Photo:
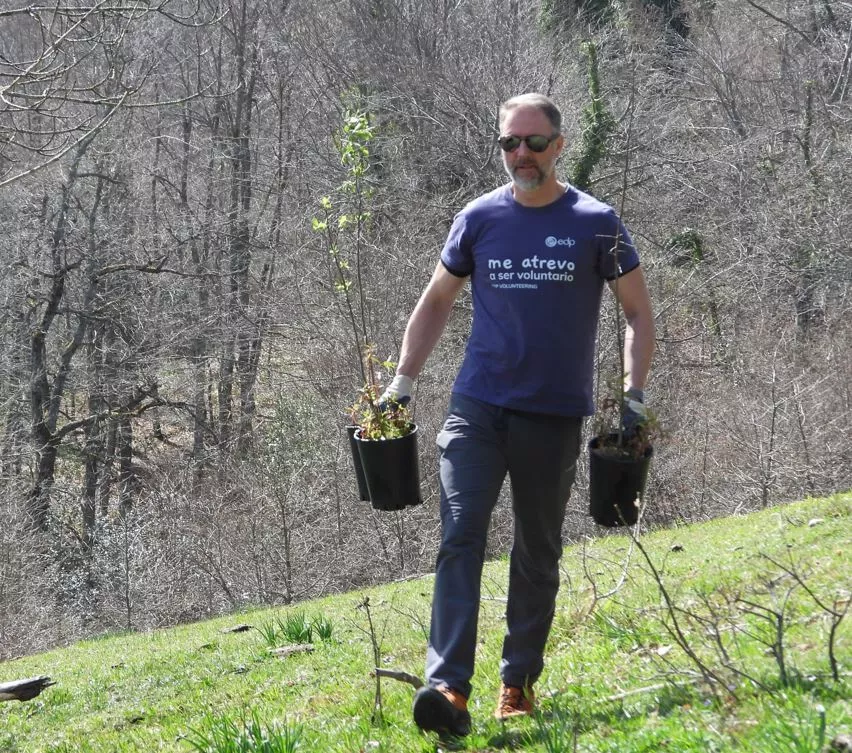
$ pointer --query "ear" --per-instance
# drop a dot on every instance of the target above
(560, 144)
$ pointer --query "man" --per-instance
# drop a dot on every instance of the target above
(537, 253)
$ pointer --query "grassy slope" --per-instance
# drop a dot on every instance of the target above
(145, 692)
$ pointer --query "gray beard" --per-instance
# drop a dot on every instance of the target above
(527, 184)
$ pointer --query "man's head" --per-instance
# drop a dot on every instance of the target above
(538, 101)
(531, 140)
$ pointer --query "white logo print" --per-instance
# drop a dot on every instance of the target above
(550, 241)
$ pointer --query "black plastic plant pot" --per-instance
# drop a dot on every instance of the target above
(363, 490)
(391, 470)
(615, 483)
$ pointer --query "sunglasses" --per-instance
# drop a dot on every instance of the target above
(534, 143)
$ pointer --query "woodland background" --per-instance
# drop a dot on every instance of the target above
(176, 352)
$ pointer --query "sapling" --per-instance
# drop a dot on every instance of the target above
(349, 219)
(378, 421)
(622, 445)
(598, 127)
(377, 656)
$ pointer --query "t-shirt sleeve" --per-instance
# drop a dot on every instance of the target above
(616, 251)
(457, 255)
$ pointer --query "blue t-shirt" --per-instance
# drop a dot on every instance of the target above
(537, 275)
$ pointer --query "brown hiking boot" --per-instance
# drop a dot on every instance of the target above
(442, 710)
(514, 702)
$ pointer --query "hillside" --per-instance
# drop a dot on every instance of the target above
(209, 207)
(617, 677)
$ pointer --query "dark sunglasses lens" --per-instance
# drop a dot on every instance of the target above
(537, 143)
(534, 143)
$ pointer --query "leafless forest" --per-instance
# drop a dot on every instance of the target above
(178, 208)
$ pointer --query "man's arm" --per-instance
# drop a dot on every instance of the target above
(632, 294)
(428, 320)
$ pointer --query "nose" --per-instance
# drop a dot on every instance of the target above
(524, 156)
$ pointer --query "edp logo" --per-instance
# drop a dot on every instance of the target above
(550, 241)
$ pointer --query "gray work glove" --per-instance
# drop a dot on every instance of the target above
(635, 414)
(398, 391)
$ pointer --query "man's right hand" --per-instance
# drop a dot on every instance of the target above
(398, 391)
(634, 414)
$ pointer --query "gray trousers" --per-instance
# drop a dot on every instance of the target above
(479, 445)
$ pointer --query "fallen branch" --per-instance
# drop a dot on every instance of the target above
(237, 629)
(650, 689)
(395, 674)
(286, 651)
(24, 690)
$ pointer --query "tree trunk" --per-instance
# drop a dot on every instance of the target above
(126, 475)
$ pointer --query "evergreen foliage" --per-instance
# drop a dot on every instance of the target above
(597, 124)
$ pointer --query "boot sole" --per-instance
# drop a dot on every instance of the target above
(434, 713)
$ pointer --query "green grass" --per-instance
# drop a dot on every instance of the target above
(295, 628)
(616, 679)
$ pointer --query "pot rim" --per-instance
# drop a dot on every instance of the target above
(617, 454)
(359, 438)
